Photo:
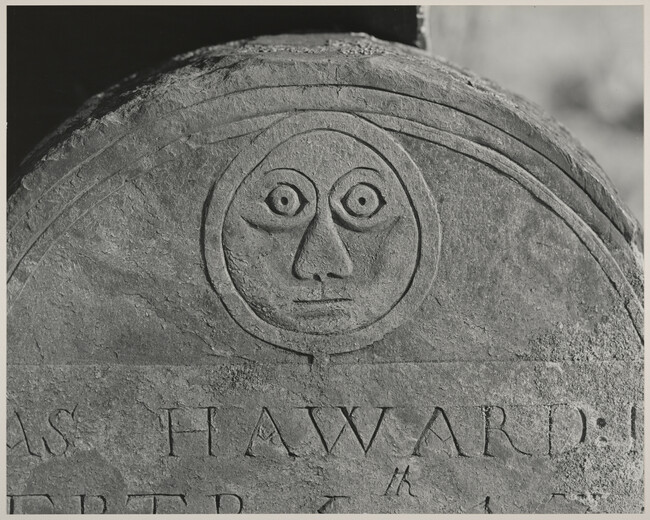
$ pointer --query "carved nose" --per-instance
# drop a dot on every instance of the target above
(321, 253)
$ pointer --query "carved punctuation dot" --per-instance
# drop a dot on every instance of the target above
(363, 200)
(286, 200)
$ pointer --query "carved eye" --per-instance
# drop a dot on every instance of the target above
(286, 200)
(363, 200)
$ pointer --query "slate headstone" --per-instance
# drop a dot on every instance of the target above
(320, 273)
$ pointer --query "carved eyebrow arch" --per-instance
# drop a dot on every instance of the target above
(365, 169)
(286, 169)
(294, 171)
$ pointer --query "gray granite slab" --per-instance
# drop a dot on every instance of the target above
(322, 273)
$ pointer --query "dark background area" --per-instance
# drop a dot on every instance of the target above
(59, 56)
(582, 64)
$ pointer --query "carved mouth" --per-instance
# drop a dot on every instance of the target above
(324, 300)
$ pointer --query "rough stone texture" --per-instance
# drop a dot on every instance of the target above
(320, 274)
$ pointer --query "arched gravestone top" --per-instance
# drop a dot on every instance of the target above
(326, 231)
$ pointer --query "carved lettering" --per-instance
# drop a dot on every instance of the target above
(30, 504)
(490, 414)
(266, 430)
(485, 505)
(349, 418)
(188, 423)
(441, 429)
(57, 421)
(134, 503)
(22, 438)
(328, 506)
(154, 502)
(403, 480)
(54, 444)
(567, 427)
(226, 503)
(92, 504)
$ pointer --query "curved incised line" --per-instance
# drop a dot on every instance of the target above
(114, 141)
(308, 122)
(437, 103)
(55, 239)
(632, 300)
(104, 181)
(339, 87)
(123, 136)
(13, 266)
(509, 168)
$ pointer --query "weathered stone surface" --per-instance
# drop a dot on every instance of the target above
(320, 274)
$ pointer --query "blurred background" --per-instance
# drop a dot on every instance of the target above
(584, 65)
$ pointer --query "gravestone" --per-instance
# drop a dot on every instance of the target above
(304, 274)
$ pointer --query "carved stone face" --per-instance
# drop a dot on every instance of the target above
(321, 236)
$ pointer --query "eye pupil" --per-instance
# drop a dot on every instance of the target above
(363, 200)
(285, 200)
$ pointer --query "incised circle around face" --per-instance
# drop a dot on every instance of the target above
(322, 235)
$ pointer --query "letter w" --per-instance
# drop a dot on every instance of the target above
(349, 418)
